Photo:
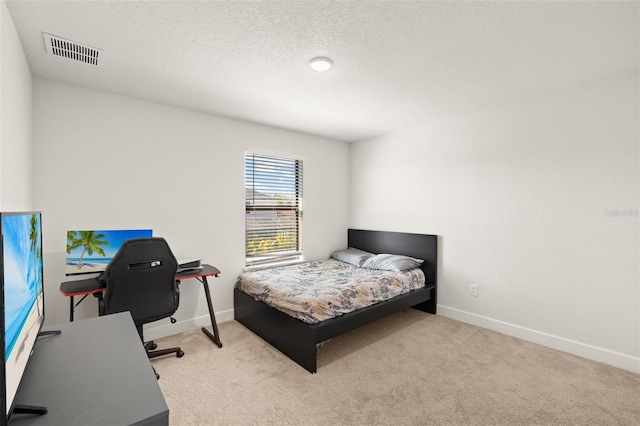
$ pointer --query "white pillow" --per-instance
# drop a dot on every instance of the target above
(352, 256)
(392, 262)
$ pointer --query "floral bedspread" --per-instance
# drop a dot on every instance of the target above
(316, 291)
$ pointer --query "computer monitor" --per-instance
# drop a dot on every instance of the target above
(90, 251)
(22, 298)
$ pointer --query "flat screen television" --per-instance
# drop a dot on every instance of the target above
(22, 299)
(90, 251)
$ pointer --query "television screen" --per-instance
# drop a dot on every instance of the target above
(22, 297)
(90, 251)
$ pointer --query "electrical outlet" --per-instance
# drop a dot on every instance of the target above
(473, 290)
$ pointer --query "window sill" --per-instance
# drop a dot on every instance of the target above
(273, 265)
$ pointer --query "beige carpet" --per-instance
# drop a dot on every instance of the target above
(411, 368)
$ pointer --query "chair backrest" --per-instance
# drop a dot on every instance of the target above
(141, 278)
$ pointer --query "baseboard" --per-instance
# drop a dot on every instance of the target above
(164, 328)
(583, 350)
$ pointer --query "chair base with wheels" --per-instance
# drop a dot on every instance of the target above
(150, 348)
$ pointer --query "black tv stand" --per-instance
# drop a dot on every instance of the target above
(35, 410)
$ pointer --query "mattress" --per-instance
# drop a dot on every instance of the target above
(316, 291)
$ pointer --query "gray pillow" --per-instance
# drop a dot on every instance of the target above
(352, 256)
(392, 262)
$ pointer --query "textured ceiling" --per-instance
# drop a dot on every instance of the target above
(396, 63)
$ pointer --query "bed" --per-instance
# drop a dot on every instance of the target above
(298, 339)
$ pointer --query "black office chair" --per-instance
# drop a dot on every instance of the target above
(141, 279)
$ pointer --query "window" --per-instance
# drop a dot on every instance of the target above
(273, 219)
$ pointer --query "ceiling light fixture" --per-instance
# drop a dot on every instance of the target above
(320, 64)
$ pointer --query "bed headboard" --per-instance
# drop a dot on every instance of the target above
(421, 246)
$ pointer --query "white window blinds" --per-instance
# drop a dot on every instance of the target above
(273, 220)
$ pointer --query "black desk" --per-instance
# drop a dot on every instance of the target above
(90, 286)
(95, 373)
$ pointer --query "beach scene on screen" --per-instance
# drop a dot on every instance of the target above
(22, 273)
(90, 251)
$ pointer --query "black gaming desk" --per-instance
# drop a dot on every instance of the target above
(90, 286)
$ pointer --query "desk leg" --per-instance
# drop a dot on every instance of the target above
(215, 336)
(71, 307)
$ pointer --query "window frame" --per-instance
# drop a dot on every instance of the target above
(285, 187)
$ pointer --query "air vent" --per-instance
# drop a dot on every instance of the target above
(59, 46)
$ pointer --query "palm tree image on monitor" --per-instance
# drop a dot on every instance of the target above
(90, 251)
(90, 242)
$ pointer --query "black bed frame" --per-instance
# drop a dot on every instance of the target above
(298, 340)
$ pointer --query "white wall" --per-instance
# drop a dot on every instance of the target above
(110, 162)
(536, 203)
(15, 120)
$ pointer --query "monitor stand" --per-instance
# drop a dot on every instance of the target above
(35, 409)
(29, 409)
(49, 333)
